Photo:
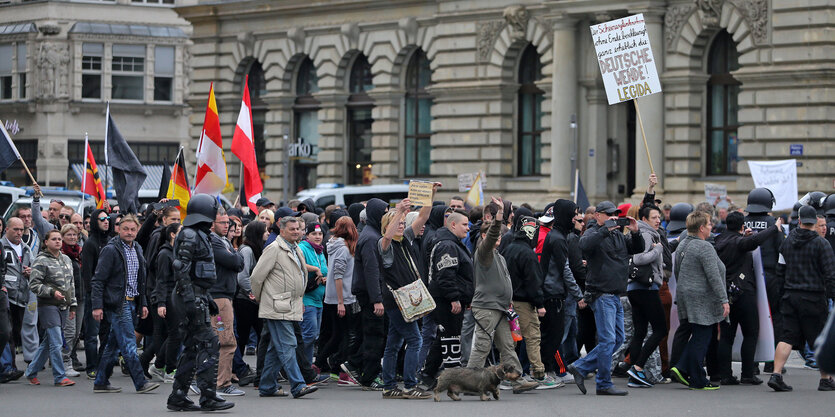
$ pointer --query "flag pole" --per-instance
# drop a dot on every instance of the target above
(576, 184)
(644, 134)
(19, 158)
(106, 134)
(174, 171)
(84, 173)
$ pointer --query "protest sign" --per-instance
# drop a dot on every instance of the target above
(465, 181)
(714, 191)
(421, 193)
(778, 176)
(625, 58)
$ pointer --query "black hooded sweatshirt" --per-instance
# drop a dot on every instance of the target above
(433, 224)
(734, 250)
(555, 251)
(354, 211)
(367, 261)
(92, 247)
(451, 267)
(807, 263)
(522, 264)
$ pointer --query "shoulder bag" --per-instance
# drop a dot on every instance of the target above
(413, 300)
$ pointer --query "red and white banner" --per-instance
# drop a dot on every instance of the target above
(243, 147)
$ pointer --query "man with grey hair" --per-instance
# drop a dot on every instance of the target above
(278, 283)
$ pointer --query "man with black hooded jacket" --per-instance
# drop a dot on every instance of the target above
(451, 285)
(558, 281)
(365, 365)
(607, 250)
(428, 329)
(526, 281)
(99, 236)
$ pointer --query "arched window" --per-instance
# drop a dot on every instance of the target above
(258, 88)
(529, 153)
(359, 122)
(418, 155)
(306, 126)
(722, 107)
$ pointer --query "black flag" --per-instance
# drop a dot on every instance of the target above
(163, 183)
(128, 173)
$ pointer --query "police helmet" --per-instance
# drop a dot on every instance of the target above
(795, 208)
(760, 200)
(202, 208)
(678, 216)
(829, 205)
(816, 200)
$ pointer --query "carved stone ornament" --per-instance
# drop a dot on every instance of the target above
(711, 11)
(487, 33)
(247, 40)
(186, 71)
(352, 32)
(297, 36)
(53, 70)
(673, 21)
(409, 26)
(49, 28)
(517, 17)
(755, 14)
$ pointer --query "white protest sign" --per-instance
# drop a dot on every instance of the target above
(465, 181)
(778, 176)
(714, 191)
(625, 58)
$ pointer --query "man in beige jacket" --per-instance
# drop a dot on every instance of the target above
(278, 282)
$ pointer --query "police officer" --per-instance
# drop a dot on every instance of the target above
(194, 265)
(793, 216)
(829, 210)
(760, 203)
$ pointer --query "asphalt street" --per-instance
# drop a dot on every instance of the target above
(19, 399)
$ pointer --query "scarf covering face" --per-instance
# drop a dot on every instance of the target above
(318, 248)
(73, 251)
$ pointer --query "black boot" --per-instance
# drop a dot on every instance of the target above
(178, 401)
(213, 402)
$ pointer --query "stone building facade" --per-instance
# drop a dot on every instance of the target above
(62, 61)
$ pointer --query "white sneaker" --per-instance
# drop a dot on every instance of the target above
(504, 385)
(72, 373)
(169, 378)
(567, 379)
(157, 373)
(548, 383)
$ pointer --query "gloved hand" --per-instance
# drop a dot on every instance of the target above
(213, 309)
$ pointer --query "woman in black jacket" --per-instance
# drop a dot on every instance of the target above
(167, 336)
(100, 227)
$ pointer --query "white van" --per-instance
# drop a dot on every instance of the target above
(326, 194)
(9, 195)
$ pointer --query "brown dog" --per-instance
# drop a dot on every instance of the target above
(481, 380)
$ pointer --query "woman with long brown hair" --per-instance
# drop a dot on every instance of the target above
(339, 304)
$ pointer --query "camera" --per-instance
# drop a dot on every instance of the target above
(623, 222)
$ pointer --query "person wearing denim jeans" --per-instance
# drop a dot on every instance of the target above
(398, 332)
(121, 339)
(91, 338)
(608, 314)
(281, 355)
(50, 347)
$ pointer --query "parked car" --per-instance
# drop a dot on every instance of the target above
(326, 194)
(9, 195)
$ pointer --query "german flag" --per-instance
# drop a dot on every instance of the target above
(178, 188)
(92, 181)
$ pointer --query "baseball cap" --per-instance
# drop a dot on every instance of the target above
(607, 207)
(263, 201)
(808, 215)
(285, 212)
(548, 216)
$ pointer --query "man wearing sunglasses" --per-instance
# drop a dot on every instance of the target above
(100, 230)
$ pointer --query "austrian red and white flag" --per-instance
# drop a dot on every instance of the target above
(211, 175)
(243, 147)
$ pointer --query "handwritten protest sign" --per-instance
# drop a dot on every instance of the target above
(714, 191)
(625, 59)
(465, 181)
(421, 193)
(778, 176)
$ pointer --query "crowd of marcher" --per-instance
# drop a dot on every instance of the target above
(312, 293)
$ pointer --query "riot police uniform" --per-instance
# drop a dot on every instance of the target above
(195, 268)
(760, 202)
(829, 210)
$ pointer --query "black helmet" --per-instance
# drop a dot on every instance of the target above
(816, 200)
(829, 205)
(796, 207)
(760, 200)
(678, 216)
(202, 208)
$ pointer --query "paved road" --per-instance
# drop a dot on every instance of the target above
(20, 399)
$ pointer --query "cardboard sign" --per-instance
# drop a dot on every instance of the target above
(714, 191)
(465, 181)
(625, 58)
(778, 176)
(421, 193)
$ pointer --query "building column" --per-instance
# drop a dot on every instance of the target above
(563, 103)
(596, 149)
(652, 112)
(386, 130)
(333, 137)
